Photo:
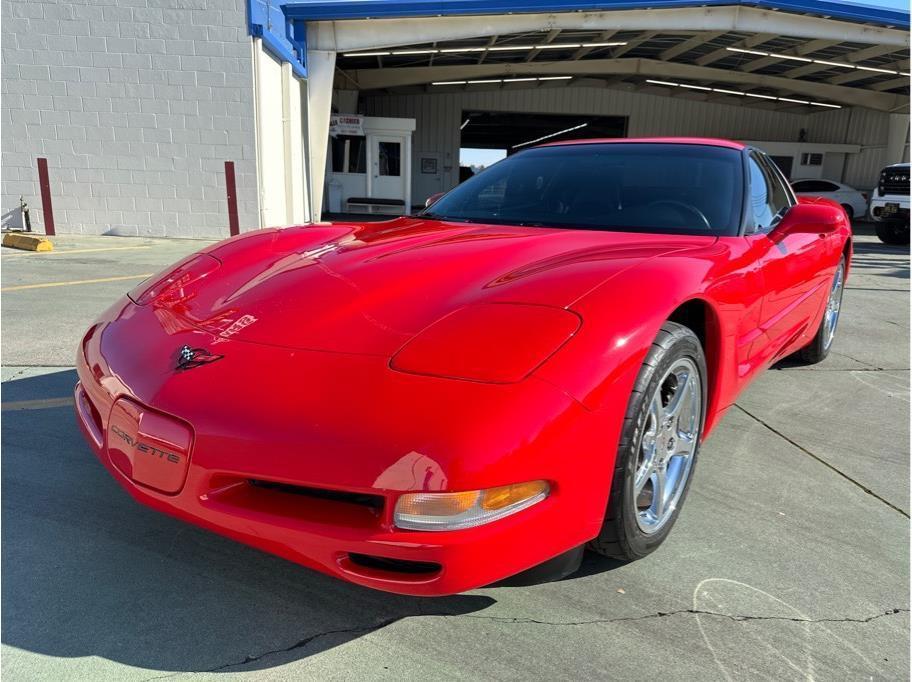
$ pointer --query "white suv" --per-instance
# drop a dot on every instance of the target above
(890, 204)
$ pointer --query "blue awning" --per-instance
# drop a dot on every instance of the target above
(323, 10)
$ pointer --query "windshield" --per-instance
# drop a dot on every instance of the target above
(639, 187)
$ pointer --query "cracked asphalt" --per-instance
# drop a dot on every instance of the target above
(790, 559)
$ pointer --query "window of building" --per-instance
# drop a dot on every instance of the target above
(812, 159)
(349, 154)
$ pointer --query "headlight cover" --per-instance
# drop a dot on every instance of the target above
(499, 343)
(175, 279)
(455, 511)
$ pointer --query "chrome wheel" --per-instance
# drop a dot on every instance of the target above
(834, 302)
(667, 448)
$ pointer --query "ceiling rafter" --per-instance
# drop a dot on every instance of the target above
(891, 84)
(603, 37)
(491, 42)
(861, 74)
(621, 50)
(552, 34)
(689, 44)
(850, 57)
(797, 51)
(746, 44)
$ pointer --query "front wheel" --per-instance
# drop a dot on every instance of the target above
(658, 448)
(819, 348)
(895, 234)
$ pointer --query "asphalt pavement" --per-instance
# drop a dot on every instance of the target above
(790, 560)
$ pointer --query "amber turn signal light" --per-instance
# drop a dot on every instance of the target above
(453, 511)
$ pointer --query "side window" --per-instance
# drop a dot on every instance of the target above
(761, 206)
(813, 186)
(769, 199)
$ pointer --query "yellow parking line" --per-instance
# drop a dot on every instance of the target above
(65, 252)
(43, 404)
(44, 285)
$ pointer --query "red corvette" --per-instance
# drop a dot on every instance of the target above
(437, 402)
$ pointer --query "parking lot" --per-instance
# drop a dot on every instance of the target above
(790, 559)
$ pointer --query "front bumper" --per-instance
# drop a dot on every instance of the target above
(890, 209)
(262, 429)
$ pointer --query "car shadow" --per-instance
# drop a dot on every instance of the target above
(89, 572)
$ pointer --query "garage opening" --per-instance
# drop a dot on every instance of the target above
(512, 132)
(488, 136)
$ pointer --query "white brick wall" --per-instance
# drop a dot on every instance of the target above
(136, 104)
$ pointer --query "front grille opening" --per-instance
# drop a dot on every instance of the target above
(894, 182)
(380, 563)
(372, 502)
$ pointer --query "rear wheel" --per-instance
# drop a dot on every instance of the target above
(658, 448)
(896, 234)
(819, 348)
(850, 212)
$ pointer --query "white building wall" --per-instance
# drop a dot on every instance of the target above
(438, 116)
(136, 107)
(864, 127)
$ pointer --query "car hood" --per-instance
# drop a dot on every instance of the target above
(369, 288)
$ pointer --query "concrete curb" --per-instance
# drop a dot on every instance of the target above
(27, 242)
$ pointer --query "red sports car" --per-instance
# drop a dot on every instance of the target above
(437, 402)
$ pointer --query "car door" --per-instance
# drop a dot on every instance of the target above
(793, 266)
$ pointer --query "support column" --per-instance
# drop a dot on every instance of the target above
(321, 66)
(898, 138)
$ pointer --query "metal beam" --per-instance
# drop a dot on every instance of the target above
(689, 44)
(746, 44)
(892, 83)
(386, 78)
(850, 57)
(484, 54)
(799, 51)
(621, 50)
(861, 74)
(365, 34)
(604, 37)
(552, 34)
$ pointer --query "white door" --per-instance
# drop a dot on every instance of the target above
(388, 167)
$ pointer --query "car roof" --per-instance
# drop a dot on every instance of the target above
(706, 141)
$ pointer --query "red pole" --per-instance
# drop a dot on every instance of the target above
(231, 188)
(46, 205)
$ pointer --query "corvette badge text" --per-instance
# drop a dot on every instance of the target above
(145, 447)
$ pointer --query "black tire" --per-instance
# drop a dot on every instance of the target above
(818, 349)
(850, 212)
(621, 537)
(895, 234)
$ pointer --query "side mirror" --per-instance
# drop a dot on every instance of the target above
(433, 199)
(808, 216)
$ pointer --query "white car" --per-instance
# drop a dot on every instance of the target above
(854, 202)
